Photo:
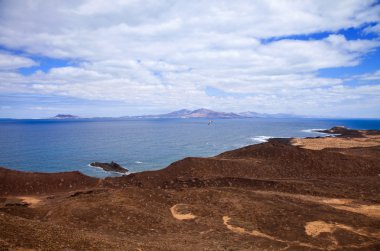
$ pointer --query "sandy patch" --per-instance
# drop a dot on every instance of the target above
(24, 201)
(32, 201)
(238, 230)
(315, 228)
(178, 212)
(355, 207)
(369, 210)
(321, 143)
(336, 201)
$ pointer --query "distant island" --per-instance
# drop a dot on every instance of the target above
(198, 113)
(207, 113)
(186, 113)
(65, 116)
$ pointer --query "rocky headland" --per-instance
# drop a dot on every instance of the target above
(293, 194)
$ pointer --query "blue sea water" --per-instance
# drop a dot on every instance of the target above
(140, 144)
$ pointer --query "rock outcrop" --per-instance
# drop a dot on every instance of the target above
(110, 167)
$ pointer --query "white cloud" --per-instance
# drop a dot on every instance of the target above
(43, 108)
(99, 30)
(369, 76)
(11, 62)
(373, 29)
(165, 53)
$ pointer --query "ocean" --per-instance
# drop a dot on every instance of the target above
(140, 144)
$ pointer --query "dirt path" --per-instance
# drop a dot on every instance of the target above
(256, 233)
(354, 206)
(179, 211)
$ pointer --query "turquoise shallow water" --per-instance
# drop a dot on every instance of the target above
(140, 144)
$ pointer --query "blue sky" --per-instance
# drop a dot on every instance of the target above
(93, 58)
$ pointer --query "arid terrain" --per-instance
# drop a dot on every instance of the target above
(286, 194)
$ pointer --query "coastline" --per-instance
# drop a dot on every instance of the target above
(157, 144)
(273, 195)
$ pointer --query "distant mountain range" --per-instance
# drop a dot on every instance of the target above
(268, 115)
(206, 113)
(198, 113)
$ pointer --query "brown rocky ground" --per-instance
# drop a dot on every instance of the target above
(271, 196)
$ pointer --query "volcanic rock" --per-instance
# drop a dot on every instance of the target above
(110, 167)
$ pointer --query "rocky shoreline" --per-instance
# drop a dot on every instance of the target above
(294, 194)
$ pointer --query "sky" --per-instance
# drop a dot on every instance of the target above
(113, 58)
